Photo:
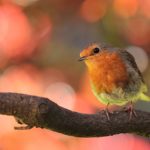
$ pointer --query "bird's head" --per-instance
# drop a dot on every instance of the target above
(93, 54)
(90, 52)
(96, 55)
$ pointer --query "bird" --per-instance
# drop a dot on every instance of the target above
(114, 76)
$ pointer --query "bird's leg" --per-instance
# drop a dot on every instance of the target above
(107, 111)
(131, 110)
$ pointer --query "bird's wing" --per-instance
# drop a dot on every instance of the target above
(130, 59)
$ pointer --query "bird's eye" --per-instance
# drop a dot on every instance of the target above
(96, 50)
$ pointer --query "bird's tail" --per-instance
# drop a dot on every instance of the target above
(144, 97)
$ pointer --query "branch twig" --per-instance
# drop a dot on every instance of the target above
(41, 112)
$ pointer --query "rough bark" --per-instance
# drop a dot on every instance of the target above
(41, 112)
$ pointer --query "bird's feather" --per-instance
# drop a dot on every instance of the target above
(144, 97)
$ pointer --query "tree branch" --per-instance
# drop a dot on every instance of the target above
(41, 112)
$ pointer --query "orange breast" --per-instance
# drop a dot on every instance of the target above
(108, 71)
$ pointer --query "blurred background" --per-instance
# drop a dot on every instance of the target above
(40, 42)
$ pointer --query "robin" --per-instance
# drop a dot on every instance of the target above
(114, 75)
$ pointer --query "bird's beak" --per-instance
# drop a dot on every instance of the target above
(82, 58)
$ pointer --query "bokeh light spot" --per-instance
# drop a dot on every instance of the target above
(140, 56)
(62, 93)
(93, 11)
(15, 31)
(125, 8)
(145, 8)
(137, 31)
(24, 79)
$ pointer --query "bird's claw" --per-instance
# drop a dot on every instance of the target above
(131, 111)
(107, 114)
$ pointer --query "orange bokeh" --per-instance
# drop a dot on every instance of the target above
(42, 29)
(145, 8)
(93, 11)
(83, 105)
(24, 79)
(30, 140)
(126, 8)
(15, 31)
(7, 125)
(44, 26)
(52, 75)
(137, 31)
(117, 142)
